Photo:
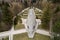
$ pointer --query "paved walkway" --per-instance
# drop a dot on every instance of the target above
(7, 33)
(23, 31)
(43, 32)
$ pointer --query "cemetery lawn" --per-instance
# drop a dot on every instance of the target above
(24, 36)
(19, 26)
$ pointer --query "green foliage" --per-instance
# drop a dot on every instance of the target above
(7, 18)
(57, 9)
(57, 38)
(6, 21)
(56, 1)
(18, 18)
(56, 27)
(45, 18)
(56, 21)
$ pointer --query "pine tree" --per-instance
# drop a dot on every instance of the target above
(7, 18)
(6, 22)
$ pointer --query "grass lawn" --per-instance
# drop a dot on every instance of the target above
(40, 27)
(19, 26)
(36, 37)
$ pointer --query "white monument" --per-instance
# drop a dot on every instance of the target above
(31, 23)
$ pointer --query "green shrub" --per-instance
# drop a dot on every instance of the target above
(56, 37)
(7, 17)
(56, 1)
(7, 21)
(45, 18)
(56, 20)
(56, 27)
(18, 18)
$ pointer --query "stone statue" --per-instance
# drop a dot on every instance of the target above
(31, 23)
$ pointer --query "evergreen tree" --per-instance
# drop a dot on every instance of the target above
(56, 20)
(6, 22)
(45, 17)
(55, 1)
(7, 17)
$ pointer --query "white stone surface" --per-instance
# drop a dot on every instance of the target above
(43, 32)
(31, 23)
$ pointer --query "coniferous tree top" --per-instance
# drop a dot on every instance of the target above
(55, 1)
(6, 17)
